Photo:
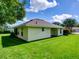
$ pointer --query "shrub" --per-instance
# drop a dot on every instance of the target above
(66, 32)
(12, 35)
(4, 32)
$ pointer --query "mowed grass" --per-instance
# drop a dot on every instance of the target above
(63, 47)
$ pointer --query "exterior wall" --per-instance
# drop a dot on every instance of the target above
(25, 33)
(54, 32)
(37, 33)
(31, 33)
(75, 31)
(60, 32)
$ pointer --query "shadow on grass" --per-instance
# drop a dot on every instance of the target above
(7, 41)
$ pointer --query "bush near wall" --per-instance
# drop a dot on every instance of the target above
(66, 32)
(4, 32)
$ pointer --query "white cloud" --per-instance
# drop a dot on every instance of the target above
(22, 21)
(38, 5)
(25, 19)
(61, 18)
(76, 16)
(19, 22)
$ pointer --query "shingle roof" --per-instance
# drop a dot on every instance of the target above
(39, 23)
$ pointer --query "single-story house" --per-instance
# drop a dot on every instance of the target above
(75, 30)
(36, 29)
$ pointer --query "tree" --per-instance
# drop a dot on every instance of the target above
(10, 11)
(56, 23)
(69, 23)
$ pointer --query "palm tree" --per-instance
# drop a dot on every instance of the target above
(69, 23)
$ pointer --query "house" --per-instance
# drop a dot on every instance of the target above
(36, 29)
(75, 30)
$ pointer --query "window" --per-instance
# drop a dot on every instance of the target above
(21, 31)
(43, 29)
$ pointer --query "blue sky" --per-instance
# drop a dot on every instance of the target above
(55, 10)
(50, 10)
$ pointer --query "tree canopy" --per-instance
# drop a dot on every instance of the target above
(56, 23)
(10, 11)
(69, 23)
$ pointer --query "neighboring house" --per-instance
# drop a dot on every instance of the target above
(75, 30)
(37, 29)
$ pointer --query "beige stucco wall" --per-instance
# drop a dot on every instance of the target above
(59, 32)
(25, 33)
(31, 33)
(54, 31)
(37, 33)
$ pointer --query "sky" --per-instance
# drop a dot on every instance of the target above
(52, 10)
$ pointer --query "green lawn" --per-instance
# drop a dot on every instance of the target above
(63, 47)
